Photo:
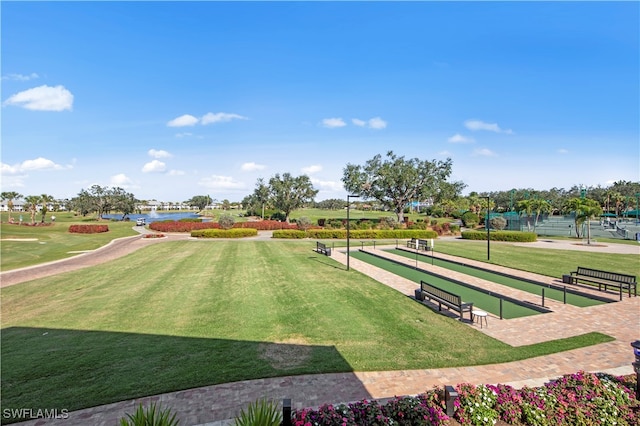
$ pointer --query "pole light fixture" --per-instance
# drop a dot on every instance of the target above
(349, 224)
(487, 225)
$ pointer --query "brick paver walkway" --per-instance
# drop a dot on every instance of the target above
(214, 405)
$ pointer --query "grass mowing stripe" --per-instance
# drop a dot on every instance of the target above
(185, 314)
(529, 287)
(481, 300)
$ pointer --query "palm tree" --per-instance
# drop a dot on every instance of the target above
(585, 209)
(32, 206)
(540, 206)
(45, 199)
(527, 207)
(10, 196)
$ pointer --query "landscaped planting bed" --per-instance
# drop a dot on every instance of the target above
(574, 399)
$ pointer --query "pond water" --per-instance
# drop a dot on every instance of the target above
(155, 216)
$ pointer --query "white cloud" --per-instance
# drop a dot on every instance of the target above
(251, 166)
(458, 138)
(39, 163)
(159, 153)
(484, 152)
(176, 173)
(481, 125)
(563, 151)
(327, 185)
(21, 77)
(120, 180)
(183, 134)
(43, 98)
(333, 123)
(377, 123)
(208, 118)
(183, 120)
(445, 153)
(312, 169)
(220, 182)
(154, 166)
(220, 117)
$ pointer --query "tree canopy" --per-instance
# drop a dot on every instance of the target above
(394, 181)
(288, 193)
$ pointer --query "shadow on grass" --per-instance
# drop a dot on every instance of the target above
(45, 369)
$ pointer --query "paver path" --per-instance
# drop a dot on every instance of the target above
(214, 405)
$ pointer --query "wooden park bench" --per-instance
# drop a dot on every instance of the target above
(322, 248)
(418, 244)
(444, 297)
(605, 279)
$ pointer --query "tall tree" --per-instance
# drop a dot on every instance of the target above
(200, 201)
(584, 210)
(32, 206)
(288, 193)
(44, 201)
(9, 197)
(394, 181)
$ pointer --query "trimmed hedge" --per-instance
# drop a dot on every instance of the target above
(512, 236)
(88, 229)
(290, 234)
(182, 226)
(371, 233)
(221, 233)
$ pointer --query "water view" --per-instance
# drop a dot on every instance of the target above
(155, 216)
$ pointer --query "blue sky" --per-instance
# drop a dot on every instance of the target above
(173, 99)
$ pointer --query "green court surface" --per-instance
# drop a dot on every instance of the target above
(533, 288)
(481, 300)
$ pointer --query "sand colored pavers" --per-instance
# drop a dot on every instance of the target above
(215, 405)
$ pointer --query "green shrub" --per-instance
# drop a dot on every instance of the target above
(226, 221)
(498, 223)
(388, 222)
(152, 416)
(454, 228)
(223, 233)
(304, 223)
(370, 234)
(259, 413)
(511, 236)
(470, 219)
(289, 233)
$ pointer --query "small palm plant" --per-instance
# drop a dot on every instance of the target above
(259, 413)
(152, 416)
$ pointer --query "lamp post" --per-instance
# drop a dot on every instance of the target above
(349, 225)
(487, 225)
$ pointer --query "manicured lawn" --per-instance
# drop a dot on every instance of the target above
(41, 244)
(185, 314)
(550, 262)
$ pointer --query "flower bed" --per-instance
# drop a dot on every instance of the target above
(88, 229)
(180, 226)
(152, 236)
(574, 399)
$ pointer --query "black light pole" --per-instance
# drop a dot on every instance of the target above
(349, 225)
(486, 224)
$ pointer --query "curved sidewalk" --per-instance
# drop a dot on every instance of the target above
(214, 405)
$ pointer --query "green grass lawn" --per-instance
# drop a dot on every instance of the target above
(184, 314)
(550, 262)
(52, 242)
